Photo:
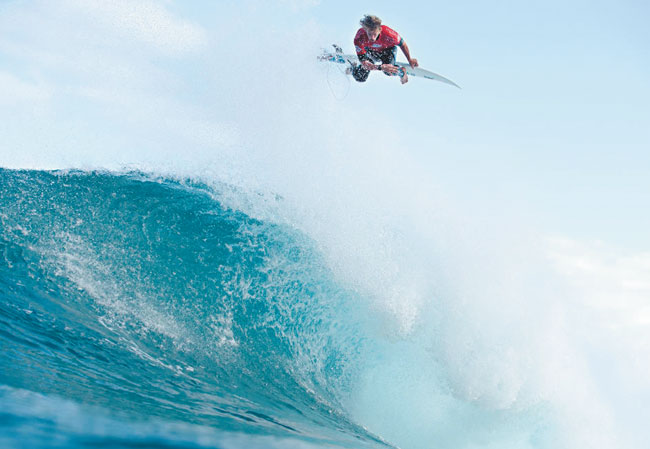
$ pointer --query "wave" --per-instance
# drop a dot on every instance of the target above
(148, 297)
(139, 309)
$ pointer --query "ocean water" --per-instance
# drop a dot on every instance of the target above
(143, 311)
(139, 310)
(126, 299)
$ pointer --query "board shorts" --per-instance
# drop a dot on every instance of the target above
(387, 56)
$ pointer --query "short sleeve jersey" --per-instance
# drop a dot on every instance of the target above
(388, 38)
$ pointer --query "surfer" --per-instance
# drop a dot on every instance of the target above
(377, 43)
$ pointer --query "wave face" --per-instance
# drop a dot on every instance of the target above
(151, 311)
(127, 299)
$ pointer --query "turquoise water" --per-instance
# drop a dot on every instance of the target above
(138, 310)
(141, 312)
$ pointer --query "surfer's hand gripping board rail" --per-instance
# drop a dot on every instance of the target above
(338, 57)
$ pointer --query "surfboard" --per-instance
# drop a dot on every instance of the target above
(340, 58)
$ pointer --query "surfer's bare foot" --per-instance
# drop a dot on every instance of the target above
(404, 78)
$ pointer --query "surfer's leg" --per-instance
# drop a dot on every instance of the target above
(403, 77)
(360, 73)
(389, 56)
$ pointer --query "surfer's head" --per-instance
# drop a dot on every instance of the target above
(372, 25)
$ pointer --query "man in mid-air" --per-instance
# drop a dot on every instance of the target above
(376, 46)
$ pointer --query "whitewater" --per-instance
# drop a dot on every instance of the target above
(194, 255)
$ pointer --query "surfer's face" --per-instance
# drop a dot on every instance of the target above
(373, 33)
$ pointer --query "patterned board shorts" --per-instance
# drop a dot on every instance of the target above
(387, 56)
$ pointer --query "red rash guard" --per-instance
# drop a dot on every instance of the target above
(388, 38)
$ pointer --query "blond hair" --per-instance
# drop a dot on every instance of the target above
(370, 22)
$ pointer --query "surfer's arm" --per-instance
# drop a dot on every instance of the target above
(405, 49)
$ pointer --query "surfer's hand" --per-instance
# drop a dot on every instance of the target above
(413, 62)
(390, 68)
(368, 65)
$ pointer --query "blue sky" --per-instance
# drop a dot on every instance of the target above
(552, 123)
(553, 117)
(553, 120)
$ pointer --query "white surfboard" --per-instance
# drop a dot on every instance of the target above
(352, 60)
